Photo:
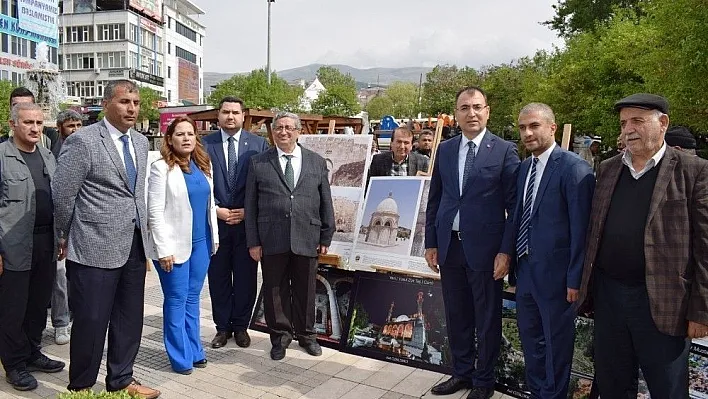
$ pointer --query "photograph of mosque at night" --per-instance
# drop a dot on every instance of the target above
(399, 319)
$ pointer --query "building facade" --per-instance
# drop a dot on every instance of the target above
(104, 40)
(184, 41)
(18, 47)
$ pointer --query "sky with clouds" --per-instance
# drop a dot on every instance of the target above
(373, 33)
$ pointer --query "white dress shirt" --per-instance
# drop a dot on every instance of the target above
(461, 159)
(225, 143)
(540, 167)
(627, 160)
(115, 136)
(296, 161)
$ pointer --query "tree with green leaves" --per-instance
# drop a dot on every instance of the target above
(442, 84)
(6, 87)
(257, 93)
(380, 106)
(148, 104)
(578, 16)
(339, 97)
(400, 100)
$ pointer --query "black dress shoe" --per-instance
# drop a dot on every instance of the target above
(242, 339)
(184, 372)
(312, 348)
(452, 385)
(45, 365)
(21, 380)
(480, 393)
(220, 340)
(200, 364)
(277, 352)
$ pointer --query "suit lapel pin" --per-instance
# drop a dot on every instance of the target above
(489, 146)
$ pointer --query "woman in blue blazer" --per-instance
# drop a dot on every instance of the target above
(183, 236)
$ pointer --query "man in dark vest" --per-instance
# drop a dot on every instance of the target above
(646, 264)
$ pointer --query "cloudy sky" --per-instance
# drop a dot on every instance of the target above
(373, 33)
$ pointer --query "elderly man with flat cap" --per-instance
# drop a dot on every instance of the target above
(646, 265)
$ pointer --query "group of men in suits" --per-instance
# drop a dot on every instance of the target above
(628, 245)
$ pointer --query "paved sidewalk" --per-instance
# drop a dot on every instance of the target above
(237, 373)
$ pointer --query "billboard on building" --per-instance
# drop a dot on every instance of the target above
(39, 16)
(188, 88)
(11, 26)
(152, 8)
(81, 6)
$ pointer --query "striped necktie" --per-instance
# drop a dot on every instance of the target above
(522, 241)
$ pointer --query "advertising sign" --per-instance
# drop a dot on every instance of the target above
(152, 8)
(11, 26)
(188, 86)
(39, 16)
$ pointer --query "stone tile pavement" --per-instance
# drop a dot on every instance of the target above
(238, 373)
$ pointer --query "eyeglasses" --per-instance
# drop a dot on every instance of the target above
(288, 129)
(477, 108)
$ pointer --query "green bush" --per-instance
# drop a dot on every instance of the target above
(88, 394)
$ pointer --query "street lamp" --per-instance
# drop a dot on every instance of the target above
(268, 62)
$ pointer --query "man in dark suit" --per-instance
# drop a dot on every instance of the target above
(99, 208)
(646, 263)
(232, 271)
(400, 161)
(472, 189)
(289, 221)
(554, 189)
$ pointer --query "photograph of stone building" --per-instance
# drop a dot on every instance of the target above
(346, 156)
(418, 247)
(346, 208)
(390, 209)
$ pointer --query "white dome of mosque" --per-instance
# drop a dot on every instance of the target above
(388, 205)
(402, 318)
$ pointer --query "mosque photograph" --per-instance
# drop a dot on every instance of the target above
(399, 319)
(390, 211)
(346, 207)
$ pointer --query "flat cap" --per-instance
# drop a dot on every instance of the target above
(643, 101)
(679, 136)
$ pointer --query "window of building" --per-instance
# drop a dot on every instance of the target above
(169, 72)
(54, 55)
(19, 46)
(134, 60)
(169, 22)
(182, 53)
(134, 33)
(4, 37)
(169, 48)
(13, 8)
(82, 89)
(5, 9)
(79, 61)
(185, 31)
(78, 34)
(108, 32)
(17, 79)
(5, 75)
(113, 59)
(169, 95)
(33, 50)
(200, 62)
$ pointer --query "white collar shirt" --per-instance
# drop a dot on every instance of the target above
(295, 161)
(461, 159)
(225, 143)
(540, 168)
(627, 160)
(116, 137)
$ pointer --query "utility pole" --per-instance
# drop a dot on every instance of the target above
(268, 62)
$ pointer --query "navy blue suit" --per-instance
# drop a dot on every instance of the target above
(471, 295)
(554, 263)
(232, 271)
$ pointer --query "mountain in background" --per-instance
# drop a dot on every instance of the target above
(363, 77)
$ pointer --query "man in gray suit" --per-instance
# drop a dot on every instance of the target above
(289, 221)
(99, 205)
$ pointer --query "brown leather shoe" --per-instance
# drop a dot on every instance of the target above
(141, 391)
(220, 339)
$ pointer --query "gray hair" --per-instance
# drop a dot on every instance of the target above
(285, 114)
(15, 112)
(68, 115)
(540, 108)
(110, 89)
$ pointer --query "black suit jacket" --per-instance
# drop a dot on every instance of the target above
(381, 164)
(281, 220)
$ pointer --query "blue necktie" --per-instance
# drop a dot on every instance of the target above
(233, 162)
(130, 171)
(522, 241)
(469, 163)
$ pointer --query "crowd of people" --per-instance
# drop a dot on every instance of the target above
(623, 239)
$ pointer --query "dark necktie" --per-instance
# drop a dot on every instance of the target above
(522, 241)
(469, 163)
(289, 172)
(233, 162)
(130, 171)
